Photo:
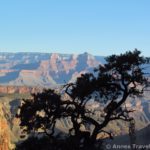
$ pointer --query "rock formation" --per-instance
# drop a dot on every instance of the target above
(5, 142)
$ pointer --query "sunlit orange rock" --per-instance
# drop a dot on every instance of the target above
(5, 143)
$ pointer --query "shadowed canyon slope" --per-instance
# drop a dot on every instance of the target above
(10, 125)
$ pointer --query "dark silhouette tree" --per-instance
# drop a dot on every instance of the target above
(112, 83)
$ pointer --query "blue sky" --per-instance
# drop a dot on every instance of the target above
(100, 27)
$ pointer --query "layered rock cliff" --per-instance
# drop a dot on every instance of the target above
(19, 89)
(44, 70)
(5, 142)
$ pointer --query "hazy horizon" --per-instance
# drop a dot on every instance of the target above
(63, 53)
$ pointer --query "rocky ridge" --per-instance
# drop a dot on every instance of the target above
(44, 70)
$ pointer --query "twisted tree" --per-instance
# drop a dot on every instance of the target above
(112, 83)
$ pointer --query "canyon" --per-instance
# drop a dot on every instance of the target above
(44, 69)
(24, 73)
